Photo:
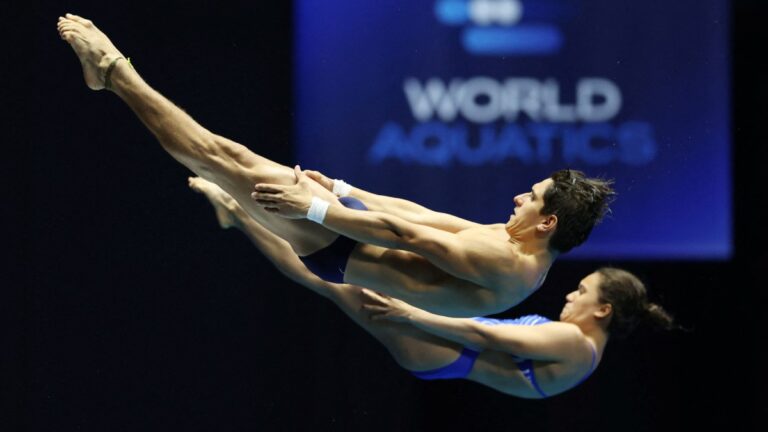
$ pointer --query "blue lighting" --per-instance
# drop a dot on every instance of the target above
(452, 12)
(540, 39)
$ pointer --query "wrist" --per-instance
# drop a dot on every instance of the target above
(413, 315)
(341, 188)
(317, 210)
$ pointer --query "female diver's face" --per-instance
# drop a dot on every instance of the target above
(584, 301)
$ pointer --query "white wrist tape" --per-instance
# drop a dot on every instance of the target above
(317, 210)
(341, 188)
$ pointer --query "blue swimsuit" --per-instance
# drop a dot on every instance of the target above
(463, 365)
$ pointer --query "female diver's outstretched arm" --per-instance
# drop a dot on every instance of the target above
(554, 341)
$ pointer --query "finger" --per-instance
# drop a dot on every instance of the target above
(314, 175)
(258, 196)
(374, 302)
(266, 198)
(367, 294)
(274, 196)
(297, 172)
(373, 295)
(268, 188)
(268, 203)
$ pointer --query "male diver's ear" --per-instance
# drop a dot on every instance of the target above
(548, 224)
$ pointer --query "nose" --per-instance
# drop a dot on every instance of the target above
(519, 200)
(570, 296)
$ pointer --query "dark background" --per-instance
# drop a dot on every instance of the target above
(138, 313)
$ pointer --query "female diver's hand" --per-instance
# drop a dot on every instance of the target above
(383, 307)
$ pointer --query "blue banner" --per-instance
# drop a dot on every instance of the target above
(461, 104)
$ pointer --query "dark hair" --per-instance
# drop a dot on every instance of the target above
(579, 203)
(629, 299)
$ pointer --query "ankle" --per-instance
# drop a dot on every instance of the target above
(115, 65)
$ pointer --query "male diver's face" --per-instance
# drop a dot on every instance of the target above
(528, 207)
(584, 301)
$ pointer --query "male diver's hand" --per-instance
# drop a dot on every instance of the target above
(320, 178)
(288, 201)
(383, 307)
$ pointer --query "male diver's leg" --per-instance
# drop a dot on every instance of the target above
(412, 348)
(215, 158)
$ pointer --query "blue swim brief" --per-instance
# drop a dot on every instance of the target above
(460, 368)
(330, 263)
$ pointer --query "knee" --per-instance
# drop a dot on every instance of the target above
(221, 149)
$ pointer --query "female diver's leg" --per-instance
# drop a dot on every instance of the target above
(412, 348)
(215, 158)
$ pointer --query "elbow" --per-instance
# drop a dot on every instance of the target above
(399, 237)
(204, 143)
(484, 336)
(404, 242)
(414, 241)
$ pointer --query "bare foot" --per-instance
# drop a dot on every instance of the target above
(224, 204)
(93, 48)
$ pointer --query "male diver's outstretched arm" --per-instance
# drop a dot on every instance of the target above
(488, 264)
(408, 210)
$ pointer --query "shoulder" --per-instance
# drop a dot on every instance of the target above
(520, 267)
(567, 336)
(565, 329)
(495, 227)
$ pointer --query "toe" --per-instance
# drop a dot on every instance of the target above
(67, 26)
(81, 20)
(69, 29)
